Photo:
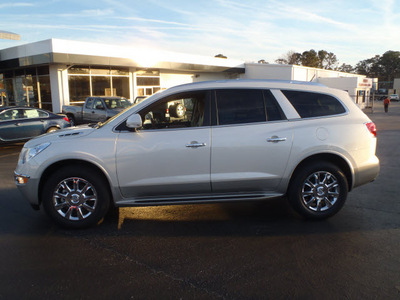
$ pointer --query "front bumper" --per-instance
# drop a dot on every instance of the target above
(28, 187)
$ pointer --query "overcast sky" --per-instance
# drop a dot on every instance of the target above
(248, 30)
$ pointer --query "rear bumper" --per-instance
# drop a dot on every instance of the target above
(367, 172)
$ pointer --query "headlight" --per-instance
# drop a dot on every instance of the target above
(28, 153)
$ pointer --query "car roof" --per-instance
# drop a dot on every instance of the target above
(252, 83)
(3, 108)
(106, 97)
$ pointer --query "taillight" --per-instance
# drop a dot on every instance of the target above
(371, 128)
(66, 119)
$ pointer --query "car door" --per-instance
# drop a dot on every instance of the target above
(251, 143)
(15, 124)
(33, 123)
(9, 120)
(168, 157)
(99, 113)
(87, 110)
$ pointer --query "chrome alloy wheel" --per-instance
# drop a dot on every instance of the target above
(320, 191)
(75, 198)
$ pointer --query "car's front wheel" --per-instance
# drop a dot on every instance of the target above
(318, 190)
(76, 197)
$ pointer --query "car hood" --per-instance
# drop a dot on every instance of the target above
(63, 134)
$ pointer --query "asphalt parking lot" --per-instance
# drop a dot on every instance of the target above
(224, 251)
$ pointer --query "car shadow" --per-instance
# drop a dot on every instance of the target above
(269, 218)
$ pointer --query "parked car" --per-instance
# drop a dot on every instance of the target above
(239, 140)
(95, 109)
(23, 123)
(394, 97)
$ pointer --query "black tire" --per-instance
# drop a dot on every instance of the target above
(72, 120)
(83, 204)
(52, 129)
(318, 190)
(177, 110)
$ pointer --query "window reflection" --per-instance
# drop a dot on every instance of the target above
(85, 81)
(26, 87)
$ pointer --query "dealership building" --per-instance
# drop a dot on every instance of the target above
(52, 73)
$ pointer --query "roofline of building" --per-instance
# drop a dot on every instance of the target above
(56, 51)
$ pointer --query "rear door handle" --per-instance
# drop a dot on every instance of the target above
(276, 139)
(195, 145)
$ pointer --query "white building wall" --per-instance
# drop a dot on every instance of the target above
(396, 85)
(168, 80)
(59, 86)
(267, 71)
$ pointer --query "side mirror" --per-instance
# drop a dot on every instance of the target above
(134, 121)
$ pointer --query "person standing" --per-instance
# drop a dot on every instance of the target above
(386, 103)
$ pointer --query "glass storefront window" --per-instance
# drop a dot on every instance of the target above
(9, 92)
(123, 71)
(121, 86)
(146, 81)
(43, 70)
(100, 84)
(25, 87)
(78, 70)
(79, 88)
(45, 93)
(95, 71)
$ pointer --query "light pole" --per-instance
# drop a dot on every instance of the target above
(9, 35)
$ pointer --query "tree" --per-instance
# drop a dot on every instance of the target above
(290, 58)
(346, 68)
(369, 67)
(389, 65)
(323, 59)
(327, 60)
(220, 56)
(310, 59)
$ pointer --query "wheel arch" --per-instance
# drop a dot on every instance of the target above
(339, 161)
(79, 164)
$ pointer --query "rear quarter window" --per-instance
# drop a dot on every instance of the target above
(310, 105)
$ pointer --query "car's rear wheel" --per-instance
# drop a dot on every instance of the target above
(52, 129)
(318, 190)
(76, 197)
(72, 120)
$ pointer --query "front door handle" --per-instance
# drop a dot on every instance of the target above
(195, 144)
(276, 139)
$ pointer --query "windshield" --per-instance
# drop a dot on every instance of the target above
(113, 103)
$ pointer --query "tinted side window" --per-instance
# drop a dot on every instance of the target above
(181, 110)
(31, 113)
(98, 104)
(89, 103)
(274, 111)
(310, 105)
(240, 106)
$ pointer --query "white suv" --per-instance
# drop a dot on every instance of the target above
(238, 140)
